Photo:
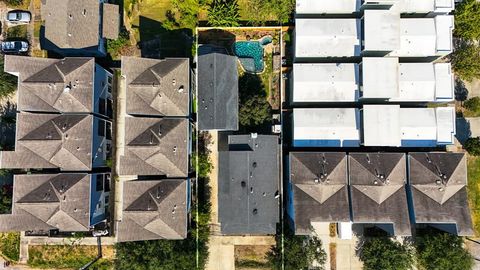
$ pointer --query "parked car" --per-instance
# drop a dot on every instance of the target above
(18, 16)
(15, 46)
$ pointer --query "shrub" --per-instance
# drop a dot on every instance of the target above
(8, 82)
(472, 104)
(10, 245)
(114, 46)
(472, 145)
(386, 254)
(466, 61)
(223, 13)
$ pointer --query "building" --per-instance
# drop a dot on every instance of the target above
(155, 146)
(157, 87)
(317, 189)
(248, 185)
(438, 186)
(69, 142)
(217, 89)
(79, 27)
(374, 125)
(69, 85)
(378, 194)
(154, 209)
(69, 202)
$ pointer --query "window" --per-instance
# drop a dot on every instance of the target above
(101, 106)
(109, 108)
(107, 183)
(109, 131)
(107, 198)
(101, 128)
(99, 184)
(109, 79)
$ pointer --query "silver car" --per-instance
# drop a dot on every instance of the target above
(15, 46)
(18, 17)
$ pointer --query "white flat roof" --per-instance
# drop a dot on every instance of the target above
(446, 128)
(327, 38)
(381, 30)
(381, 125)
(444, 28)
(380, 77)
(325, 82)
(444, 82)
(426, 6)
(418, 124)
(326, 124)
(417, 82)
(327, 6)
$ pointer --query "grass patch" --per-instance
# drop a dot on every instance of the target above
(23, 5)
(10, 245)
(20, 31)
(64, 256)
(37, 25)
(473, 170)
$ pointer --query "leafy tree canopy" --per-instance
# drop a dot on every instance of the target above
(467, 20)
(472, 145)
(442, 251)
(382, 253)
(223, 13)
(466, 61)
(188, 10)
(8, 82)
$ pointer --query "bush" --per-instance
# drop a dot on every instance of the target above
(5, 198)
(383, 253)
(114, 46)
(466, 61)
(10, 245)
(8, 82)
(472, 145)
(467, 20)
(223, 13)
(472, 104)
(265, 10)
(13, 2)
(442, 251)
(188, 10)
(254, 111)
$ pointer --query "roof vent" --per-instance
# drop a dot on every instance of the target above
(243, 184)
(254, 164)
(67, 88)
(180, 89)
(84, 12)
(277, 194)
(255, 211)
(175, 149)
(174, 82)
(70, 16)
(254, 135)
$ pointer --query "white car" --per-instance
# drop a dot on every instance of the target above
(15, 46)
(18, 17)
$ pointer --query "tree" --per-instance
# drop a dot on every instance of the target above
(472, 145)
(5, 199)
(254, 111)
(299, 252)
(439, 250)
(466, 61)
(382, 253)
(188, 10)
(223, 13)
(472, 104)
(467, 20)
(8, 82)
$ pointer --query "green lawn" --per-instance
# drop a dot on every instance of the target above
(67, 256)
(20, 31)
(474, 191)
(10, 245)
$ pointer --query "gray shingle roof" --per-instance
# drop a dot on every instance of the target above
(319, 184)
(154, 209)
(72, 23)
(42, 202)
(217, 89)
(51, 141)
(52, 85)
(157, 87)
(378, 192)
(155, 146)
(110, 21)
(248, 185)
(438, 184)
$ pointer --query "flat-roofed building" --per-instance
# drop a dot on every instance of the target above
(438, 184)
(378, 194)
(317, 190)
(327, 6)
(381, 30)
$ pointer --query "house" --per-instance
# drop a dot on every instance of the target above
(157, 87)
(326, 7)
(374, 125)
(217, 89)
(248, 185)
(69, 85)
(155, 146)
(377, 190)
(317, 189)
(79, 27)
(69, 202)
(69, 142)
(438, 186)
(153, 209)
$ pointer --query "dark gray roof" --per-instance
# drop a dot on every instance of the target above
(157, 87)
(51, 141)
(248, 185)
(439, 193)
(42, 202)
(217, 89)
(110, 21)
(52, 85)
(154, 209)
(319, 185)
(155, 146)
(378, 192)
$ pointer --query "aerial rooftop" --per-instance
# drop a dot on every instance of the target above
(217, 89)
(153, 209)
(378, 194)
(248, 191)
(157, 87)
(439, 194)
(317, 190)
(155, 146)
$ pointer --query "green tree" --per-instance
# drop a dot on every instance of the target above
(254, 111)
(223, 13)
(188, 10)
(467, 20)
(5, 200)
(466, 61)
(115, 46)
(472, 104)
(472, 145)
(382, 253)
(8, 82)
(442, 251)
(204, 164)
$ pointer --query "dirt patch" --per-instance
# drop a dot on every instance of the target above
(333, 256)
(251, 257)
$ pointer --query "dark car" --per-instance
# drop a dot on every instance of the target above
(15, 46)
(18, 16)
